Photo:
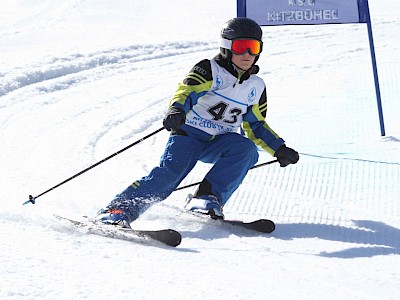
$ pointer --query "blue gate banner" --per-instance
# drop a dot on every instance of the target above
(302, 12)
(314, 12)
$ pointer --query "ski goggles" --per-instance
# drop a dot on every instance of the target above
(240, 46)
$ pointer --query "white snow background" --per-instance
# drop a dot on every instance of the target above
(80, 80)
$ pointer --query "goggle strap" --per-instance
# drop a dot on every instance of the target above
(224, 43)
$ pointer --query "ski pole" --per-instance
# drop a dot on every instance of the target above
(33, 199)
(254, 167)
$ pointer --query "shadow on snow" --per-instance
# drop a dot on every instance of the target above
(376, 238)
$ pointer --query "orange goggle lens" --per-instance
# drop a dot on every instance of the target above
(241, 46)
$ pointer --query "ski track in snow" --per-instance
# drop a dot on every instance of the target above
(71, 70)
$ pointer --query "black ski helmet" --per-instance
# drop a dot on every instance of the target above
(239, 28)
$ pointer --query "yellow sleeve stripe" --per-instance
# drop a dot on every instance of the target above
(263, 107)
(256, 111)
(257, 141)
(196, 77)
(184, 90)
(250, 134)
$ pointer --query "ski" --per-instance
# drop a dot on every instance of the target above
(168, 237)
(260, 225)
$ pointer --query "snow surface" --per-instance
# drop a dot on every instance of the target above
(80, 80)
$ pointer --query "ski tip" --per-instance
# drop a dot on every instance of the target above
(169, 237)
(175, 238)
(265, 225)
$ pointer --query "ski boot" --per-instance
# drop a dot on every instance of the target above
(205, 204)
(112, 217)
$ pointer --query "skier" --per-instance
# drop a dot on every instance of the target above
(217, 97)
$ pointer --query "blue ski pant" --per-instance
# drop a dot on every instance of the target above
(232, 155)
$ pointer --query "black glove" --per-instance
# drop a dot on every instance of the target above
(174, 119)
(286, 156)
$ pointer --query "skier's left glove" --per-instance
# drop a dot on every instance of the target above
(286, 156)
(174, 119)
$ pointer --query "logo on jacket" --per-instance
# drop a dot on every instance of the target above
(252, 94)
(218, 82)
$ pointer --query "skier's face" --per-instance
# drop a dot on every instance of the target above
(243, 61)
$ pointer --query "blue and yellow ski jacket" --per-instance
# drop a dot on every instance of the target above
(217, 100)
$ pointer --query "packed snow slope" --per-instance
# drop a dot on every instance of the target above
(80, 80)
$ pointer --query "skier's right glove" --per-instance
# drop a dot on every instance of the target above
(174, 119)
(286, 156)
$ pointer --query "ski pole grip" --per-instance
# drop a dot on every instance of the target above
(31, 200)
